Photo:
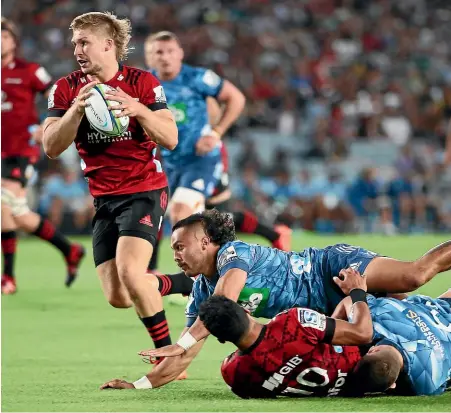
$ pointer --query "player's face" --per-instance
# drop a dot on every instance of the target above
(190, 252)
(8, 43)
(164, 56)
(90, 49)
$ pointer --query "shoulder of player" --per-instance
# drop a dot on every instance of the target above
(133, 74)
(72, 80)
(233, 247)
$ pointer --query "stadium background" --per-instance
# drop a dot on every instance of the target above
(347, 108)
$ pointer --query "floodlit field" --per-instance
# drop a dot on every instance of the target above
(60, 345)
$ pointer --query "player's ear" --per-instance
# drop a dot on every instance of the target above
(205, 242)
(109, 43)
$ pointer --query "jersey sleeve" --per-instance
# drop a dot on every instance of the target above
(59, 100)
(236, 255)
(317, 327)
(208, 83)
(153, 93)
(40, 78)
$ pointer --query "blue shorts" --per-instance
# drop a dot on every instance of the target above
(336, 258)
(201, 177)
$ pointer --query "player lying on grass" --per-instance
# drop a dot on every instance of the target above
(299, 352)
(266, 281)
(413, 346)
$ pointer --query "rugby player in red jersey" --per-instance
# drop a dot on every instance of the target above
(126, 180)
(21, 82)
(299, 352)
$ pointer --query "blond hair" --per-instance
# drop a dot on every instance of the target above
(163, 36)
(10, 27)
(118, 29)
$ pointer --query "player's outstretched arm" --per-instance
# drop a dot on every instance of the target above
(359, 330)
(165, 372)
(59, 133)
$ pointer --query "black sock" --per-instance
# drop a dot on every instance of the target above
(175, 284)
(158, 329)
(249, 224)
(49, 233)
(9, 243)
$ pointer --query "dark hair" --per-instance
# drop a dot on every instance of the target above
(224, 318)
(217, 225)
(374, 373)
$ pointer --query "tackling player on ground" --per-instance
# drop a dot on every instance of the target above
(266, 281)
(127, 182)
(412, 346)
(21, 82)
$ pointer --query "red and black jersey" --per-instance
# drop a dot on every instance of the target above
(123, 164)
(292, 356)
(21, 81)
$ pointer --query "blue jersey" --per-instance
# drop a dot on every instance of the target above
(278, 280)
(420, 328)
(186, 97)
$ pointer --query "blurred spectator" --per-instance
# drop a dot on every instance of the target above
(66, 194)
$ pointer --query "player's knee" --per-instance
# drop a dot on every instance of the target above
(416, 277)
(120, 302)
(17, 204)
(130, 278)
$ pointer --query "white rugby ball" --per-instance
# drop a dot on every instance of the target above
(102, 119)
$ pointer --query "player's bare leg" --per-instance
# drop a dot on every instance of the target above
(34, 224)
(180, 211)
(112, 287)
(9, 245)
(446, 294)
(390, 275)
(132, 257)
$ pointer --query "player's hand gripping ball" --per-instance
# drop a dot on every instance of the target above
(99, 115)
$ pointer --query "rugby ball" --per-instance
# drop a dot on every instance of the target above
(102, 119)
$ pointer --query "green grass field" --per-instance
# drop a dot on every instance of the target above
(60, 345)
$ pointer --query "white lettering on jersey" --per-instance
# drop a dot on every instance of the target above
(160, 97)
(254, 301)
(277, 378)
(43, 75)
(198, 184)
(211, 79)
(312, 319)
(13, 80)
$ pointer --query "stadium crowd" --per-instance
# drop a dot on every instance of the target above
(323, 72)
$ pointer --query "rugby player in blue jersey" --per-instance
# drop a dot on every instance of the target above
(412, 351)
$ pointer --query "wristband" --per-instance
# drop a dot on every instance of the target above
(358, 295)
(187, 341)
(142, 383)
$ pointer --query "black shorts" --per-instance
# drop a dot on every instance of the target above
(17, 168)
(134, 215)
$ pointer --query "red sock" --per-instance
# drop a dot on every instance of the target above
(249, 223)
(158, 329)
(49, 233)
